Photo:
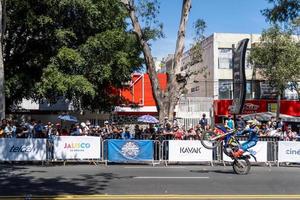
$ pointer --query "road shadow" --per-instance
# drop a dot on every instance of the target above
(224, 171)
(18, 181)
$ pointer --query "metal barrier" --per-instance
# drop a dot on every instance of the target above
(156, 151)
(65, 149)
(288, 152)
(161, 151)
(185, 151)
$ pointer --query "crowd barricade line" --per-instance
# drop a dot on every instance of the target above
(93, 149)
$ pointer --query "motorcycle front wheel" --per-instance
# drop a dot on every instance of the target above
(206, 140)
(241, 166)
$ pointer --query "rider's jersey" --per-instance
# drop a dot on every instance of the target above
(252, 134)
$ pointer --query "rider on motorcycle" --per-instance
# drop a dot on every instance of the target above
(252, 131)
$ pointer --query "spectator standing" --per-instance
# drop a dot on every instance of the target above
(85, 129)
(22, 131)
(38, 130)
(203, 122)
(106, 130)
(1, 132)
(137, 132)
(280, 124)
(290, 135)
(77, 131)
(30, 127)
(178, 133)
(240, 122)
(229, 123)
(116, 133)
(8, 130)
(167, 123)
(125, 134)
(49, 128)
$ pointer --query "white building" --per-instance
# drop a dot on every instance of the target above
(214, 80)
(215, 77)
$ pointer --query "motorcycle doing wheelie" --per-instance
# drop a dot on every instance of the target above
(213, 139)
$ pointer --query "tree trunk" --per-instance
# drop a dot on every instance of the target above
(174, 87)
(156, 89)
(278, 106)
(2, 26)
(165, 101)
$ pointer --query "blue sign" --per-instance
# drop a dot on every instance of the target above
(130, 150)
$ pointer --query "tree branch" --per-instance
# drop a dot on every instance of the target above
(146, 51)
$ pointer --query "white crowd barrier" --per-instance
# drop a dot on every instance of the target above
(12, 149)
(289, 151)
(259, 151)
(76, 147)
(189, 151)
(91, 147)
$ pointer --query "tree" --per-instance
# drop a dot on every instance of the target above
(277, 56)
(79, 50)
(283, 11)
(168, 99)
(2, 30)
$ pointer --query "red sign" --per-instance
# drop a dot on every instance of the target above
(222, 107)
(250, 108)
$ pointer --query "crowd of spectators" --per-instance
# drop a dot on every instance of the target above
(167, 130)
(271, 128)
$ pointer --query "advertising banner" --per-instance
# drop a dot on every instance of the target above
(76, 147)
(239, 77)
(13, 149)
(188, 150)
(288, 151)
(130, 150)
(259, 151)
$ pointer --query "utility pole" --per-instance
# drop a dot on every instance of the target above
(2, 25)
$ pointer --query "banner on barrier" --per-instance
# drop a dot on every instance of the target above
(288, 151)
(130, 150)
(77, 147)
(259, 151)
(188, 150)
(17, 149)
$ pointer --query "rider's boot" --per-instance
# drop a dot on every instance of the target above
(238, 153)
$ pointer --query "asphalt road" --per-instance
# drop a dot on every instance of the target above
(187, 182)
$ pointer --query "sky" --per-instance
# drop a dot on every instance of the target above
(221, 16)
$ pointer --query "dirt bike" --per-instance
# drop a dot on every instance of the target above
(213, 139)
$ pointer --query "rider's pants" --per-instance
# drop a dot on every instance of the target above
(247, 145)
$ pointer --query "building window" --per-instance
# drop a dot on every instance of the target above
(195, 89)
(225, 58)
(225, 89)
(247, 61)
(290, 93)
(267, 91)
(249, 90)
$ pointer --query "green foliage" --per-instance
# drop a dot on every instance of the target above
(148, 11)
(69, 48)
(196, 49)
(282, 10)
(277, 57)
